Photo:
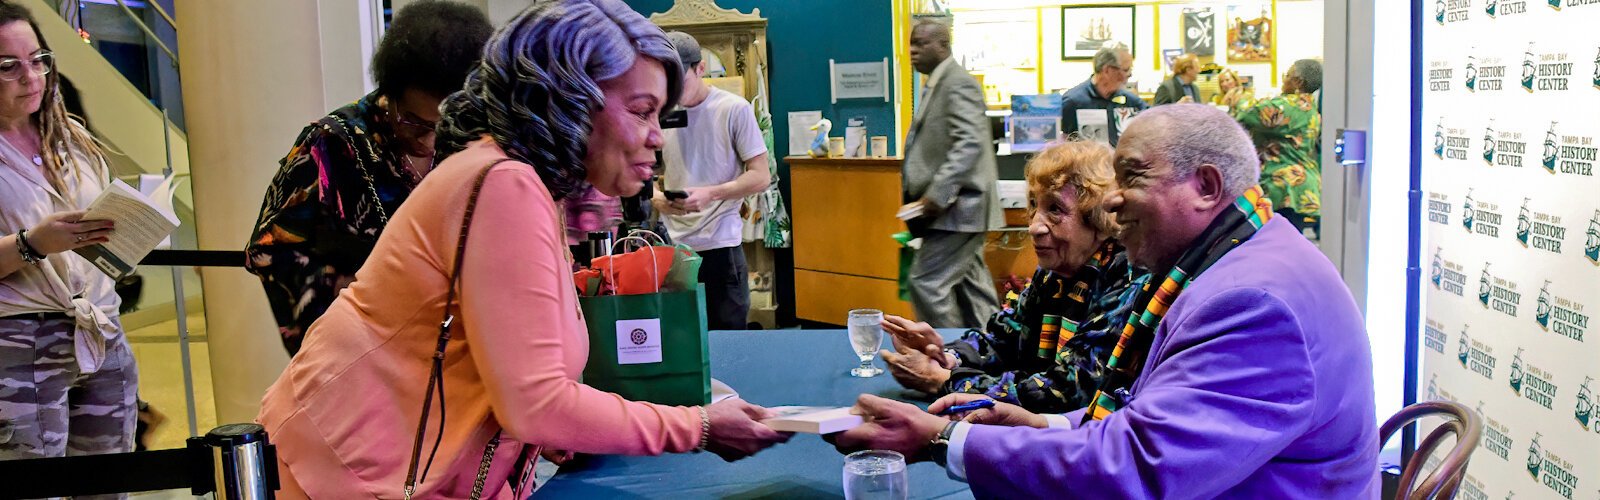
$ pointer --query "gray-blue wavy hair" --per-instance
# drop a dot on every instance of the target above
(539, 79)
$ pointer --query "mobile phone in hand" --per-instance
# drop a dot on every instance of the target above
(674, 195)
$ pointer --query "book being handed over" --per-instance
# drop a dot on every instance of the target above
(140, 227)
(813, 419)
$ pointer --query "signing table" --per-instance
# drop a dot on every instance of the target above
(768, 368)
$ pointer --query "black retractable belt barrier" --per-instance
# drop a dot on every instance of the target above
(206, 258)
(236, 461)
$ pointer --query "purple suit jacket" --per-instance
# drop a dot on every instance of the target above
(1258, 385)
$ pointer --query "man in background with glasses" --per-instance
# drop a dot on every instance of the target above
(348, 171)
(1106, 89)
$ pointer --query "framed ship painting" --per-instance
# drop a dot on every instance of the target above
(1087, 28)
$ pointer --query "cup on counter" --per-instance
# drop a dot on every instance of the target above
(880, 146)
(836, 147)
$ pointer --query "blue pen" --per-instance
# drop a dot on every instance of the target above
(974, 405)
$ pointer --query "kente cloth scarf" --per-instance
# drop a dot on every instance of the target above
(1226, 232)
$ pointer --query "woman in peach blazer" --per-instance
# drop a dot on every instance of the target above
(568, 93)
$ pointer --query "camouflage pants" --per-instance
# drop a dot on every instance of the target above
(48, 408)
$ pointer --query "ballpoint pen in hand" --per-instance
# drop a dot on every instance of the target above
(974, 405)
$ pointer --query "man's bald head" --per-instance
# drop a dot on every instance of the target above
(1190, 135)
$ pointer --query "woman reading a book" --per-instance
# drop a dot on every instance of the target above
(1046, 349)
(569, 93)
(68, 378)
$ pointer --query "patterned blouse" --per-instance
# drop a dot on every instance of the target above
(1005, 360)
(1287, 131)
(319, 221)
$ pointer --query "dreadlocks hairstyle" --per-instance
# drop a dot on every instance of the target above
(61, 133)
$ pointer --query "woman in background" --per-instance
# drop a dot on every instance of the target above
(569, 93)
(69, 379)
(1231, 92)
(350, 170)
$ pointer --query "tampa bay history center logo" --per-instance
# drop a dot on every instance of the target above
(1584, 412)
(1487, 74)
(1438, 139)
(1448, 276)
(1550, 469)
(1476, 356)
(1569, 154)
(1472, 489)
(1591, 240)
(1532, 382)
(1496, 8)
(1498, 294)
(1540, 230)
(1556, 4)
(1551, 71)
(1450, 143)
(1529, 68)
(1496, 435)
(1438, 208)
(1453, 11)
(1561, 315)
(1504, 148)
(1439, 76)
(1433, 336)
(1481, 217)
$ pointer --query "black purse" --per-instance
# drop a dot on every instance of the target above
(436, 375)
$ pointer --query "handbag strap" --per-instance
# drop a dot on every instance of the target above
(436, 374)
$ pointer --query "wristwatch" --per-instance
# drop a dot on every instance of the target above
(939, 448)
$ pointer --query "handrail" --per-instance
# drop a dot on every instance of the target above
(164, 15)
(171, 56)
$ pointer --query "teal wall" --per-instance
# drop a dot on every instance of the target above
(801, 36)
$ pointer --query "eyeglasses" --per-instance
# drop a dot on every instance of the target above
(419, 127)
(12, 69)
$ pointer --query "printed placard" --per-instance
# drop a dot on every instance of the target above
(638, 341)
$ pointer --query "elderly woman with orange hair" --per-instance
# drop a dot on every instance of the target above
(1076, 302)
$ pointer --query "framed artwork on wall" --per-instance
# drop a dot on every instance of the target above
(1249, 34)
(1087, 28)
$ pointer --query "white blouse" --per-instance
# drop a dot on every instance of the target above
(63, 282)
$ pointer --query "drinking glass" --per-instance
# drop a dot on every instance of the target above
(866, 336)
(875, 475)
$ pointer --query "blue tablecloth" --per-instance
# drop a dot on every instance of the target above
(769, 368)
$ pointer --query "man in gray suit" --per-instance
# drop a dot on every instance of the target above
(949, 176)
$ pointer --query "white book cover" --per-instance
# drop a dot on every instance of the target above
(813, 419)
(141, 225)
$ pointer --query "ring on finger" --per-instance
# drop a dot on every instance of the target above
(80, 238)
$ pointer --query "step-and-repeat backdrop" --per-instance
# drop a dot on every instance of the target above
(1512, 237)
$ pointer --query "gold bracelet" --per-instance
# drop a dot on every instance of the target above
(705, 429)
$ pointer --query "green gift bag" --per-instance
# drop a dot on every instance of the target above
(649, 347)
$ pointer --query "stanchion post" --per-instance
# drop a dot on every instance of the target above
(244, 464)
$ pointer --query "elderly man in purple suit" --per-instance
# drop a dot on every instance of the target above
(1244, 372)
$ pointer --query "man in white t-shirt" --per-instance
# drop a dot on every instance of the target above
(716, 160)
